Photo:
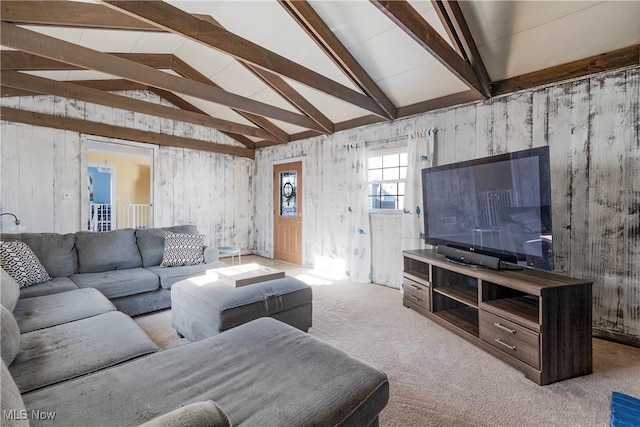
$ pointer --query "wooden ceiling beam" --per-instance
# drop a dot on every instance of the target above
(179, 22)
(321, 34)
(30, 41)
(69, 90)
(10, 91)
(70, 14)
(609, 61)
(456, 25)
(285, 90)
(412, 23)
(110, 131)
(187, 106)
(111, 85)
(186, 70)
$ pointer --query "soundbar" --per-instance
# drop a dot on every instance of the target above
(475, 258)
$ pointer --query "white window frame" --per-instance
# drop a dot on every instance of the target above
(380, 153)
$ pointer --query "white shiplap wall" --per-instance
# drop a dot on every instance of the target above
(591, 126)
(40, 173)
(592, 129)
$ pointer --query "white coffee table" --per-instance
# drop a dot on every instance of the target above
(242, 275)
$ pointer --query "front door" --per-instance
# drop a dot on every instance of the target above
(287, 230)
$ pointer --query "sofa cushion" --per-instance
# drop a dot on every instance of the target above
(151, 242)
(105, 251)
(57, 252)
(119, 283)
(51, 310)
(11, 401)
(9, 290)
(169, 276)
(182, 249)
(51, 355)
(284, 377)
(9, 336)
(53, 286)
(17, 259)
(199, 414)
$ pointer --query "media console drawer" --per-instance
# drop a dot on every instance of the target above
(513, 339)
(417, 293)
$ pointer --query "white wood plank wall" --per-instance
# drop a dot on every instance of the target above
(40, 173)
(591, 126)
(592, 129)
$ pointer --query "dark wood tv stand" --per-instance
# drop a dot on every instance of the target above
(536, 321)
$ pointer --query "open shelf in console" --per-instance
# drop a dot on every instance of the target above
(459, 287)
(511, 304)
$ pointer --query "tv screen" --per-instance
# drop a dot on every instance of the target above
(499, 206)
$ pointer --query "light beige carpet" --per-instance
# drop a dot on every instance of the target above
(439, 379)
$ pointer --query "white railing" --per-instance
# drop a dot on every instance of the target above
(134, 215)
(100, 217)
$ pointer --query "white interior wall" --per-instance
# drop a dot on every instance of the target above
(41, 174)
(591, 126)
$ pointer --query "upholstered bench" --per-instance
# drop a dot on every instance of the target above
(202, 306)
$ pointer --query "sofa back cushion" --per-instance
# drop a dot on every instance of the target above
(105, 251)
(56, 252)
(151, 242)
(10, 338)
(11, 401)
(9, 290)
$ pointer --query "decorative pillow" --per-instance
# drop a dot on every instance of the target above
(182, 249)
(22, 264)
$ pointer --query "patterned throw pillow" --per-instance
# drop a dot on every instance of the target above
(22, 264)
(182, 249)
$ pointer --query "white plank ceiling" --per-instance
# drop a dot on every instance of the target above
(514, 38)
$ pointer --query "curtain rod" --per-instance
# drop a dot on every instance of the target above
(385, 140)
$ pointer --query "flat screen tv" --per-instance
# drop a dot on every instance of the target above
(498, 206)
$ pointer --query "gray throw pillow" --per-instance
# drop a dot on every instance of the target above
(17, 259)
(182, 249)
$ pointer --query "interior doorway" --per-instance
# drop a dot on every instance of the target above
(114, 201)
(287, 197)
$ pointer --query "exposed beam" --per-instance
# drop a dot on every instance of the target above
(23, 61)
(407, 18)
(181, 103)
(69, 90)
(454, 21)
(285, 90)
(437, 103)
(317, 29)
(179, 22)
(22, 39)
(111, 85)
(69, 14)
(110, 131)
(9, 91)
(620, 58)
(186, 70)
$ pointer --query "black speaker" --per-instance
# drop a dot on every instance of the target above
(468, 257)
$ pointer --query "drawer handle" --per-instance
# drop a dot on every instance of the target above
(504, 328)
(414, 298)
(415, 287)
(510, 347)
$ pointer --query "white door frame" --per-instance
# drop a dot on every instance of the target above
(90, 143)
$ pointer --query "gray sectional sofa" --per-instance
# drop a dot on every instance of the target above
(124, 265)
(70, 359)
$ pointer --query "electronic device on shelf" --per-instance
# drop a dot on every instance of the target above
(494, 211)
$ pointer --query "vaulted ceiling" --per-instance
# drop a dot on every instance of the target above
(269, 72)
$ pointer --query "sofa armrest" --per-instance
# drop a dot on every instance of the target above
(211, 254)
(199, 414)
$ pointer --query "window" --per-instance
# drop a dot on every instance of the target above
(387, 172)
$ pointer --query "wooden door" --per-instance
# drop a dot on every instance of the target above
(287, 197)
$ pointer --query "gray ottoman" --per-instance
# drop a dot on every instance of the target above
(201, 309)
